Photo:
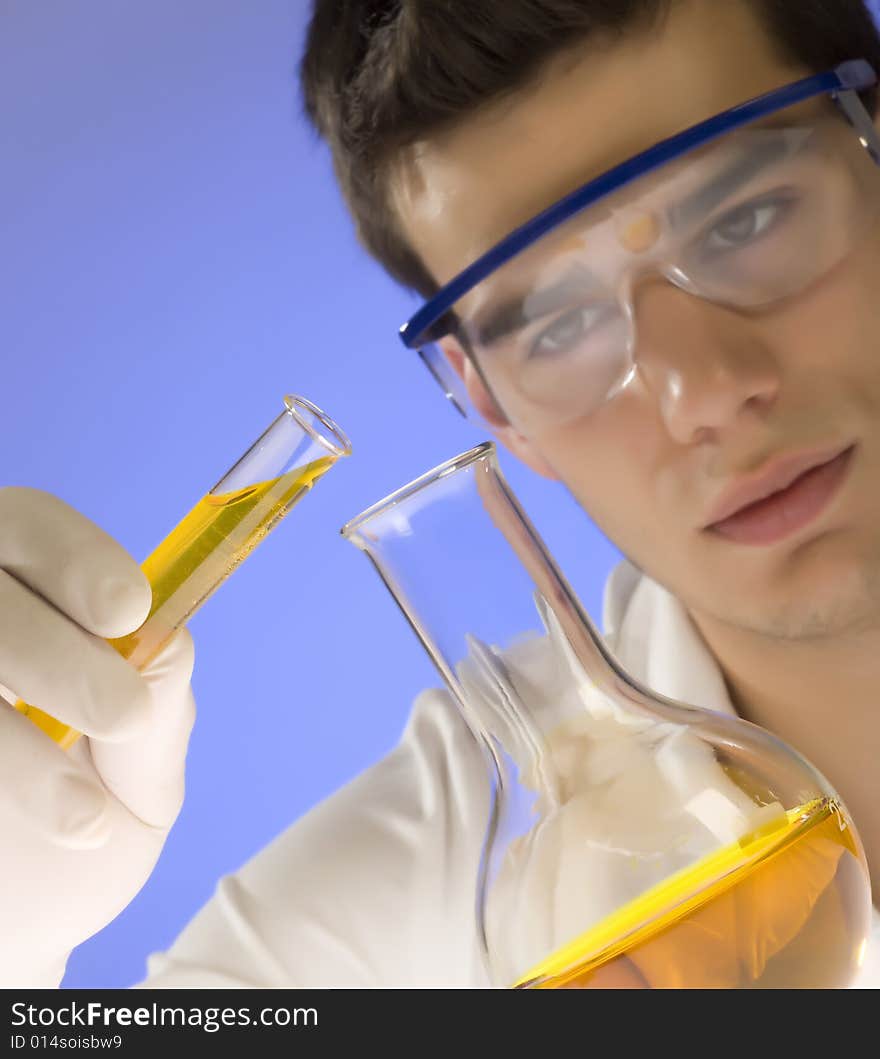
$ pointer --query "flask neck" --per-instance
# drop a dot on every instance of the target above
(526, 666)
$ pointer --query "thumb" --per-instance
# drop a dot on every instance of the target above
(146, 772)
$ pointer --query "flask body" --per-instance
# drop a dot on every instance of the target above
(632, 840)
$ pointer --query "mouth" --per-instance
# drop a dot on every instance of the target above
(781, 499)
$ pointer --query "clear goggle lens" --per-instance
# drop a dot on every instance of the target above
(747, 221)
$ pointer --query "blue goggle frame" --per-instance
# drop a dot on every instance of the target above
(854, 76)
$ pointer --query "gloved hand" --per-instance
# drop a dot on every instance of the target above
(80, 830)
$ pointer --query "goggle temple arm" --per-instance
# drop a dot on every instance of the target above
(440, 368)
(857, 115)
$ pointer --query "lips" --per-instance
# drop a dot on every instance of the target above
(781, 498)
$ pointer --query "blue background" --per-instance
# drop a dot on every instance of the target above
(176, 258)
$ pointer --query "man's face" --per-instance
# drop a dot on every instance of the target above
(721, 398)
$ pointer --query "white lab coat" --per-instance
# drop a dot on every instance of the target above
(374, 887)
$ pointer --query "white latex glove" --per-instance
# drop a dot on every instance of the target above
(80, 830)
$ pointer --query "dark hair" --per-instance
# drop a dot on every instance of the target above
(378, 75)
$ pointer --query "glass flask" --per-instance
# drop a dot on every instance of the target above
(632, 840)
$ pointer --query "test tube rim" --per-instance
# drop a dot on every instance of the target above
(340, 447)
(456, 463)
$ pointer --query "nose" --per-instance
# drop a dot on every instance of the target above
(705, 365)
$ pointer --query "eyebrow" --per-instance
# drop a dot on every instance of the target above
(749, 164)
(511, 314)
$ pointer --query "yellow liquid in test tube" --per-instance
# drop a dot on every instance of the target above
(194, 560)
(738, 919)
(223, 528)
(203, 550)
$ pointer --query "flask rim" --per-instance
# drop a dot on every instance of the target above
(456, 463)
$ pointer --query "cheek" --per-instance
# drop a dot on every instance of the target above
(833, 331)
(612, 463)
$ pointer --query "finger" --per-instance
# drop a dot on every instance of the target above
(777, 901)
(146, 772)
(66, 558)
(729, 941)
(44, 792)
(54, 664)
(619, 973)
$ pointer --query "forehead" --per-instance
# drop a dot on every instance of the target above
(461, 192)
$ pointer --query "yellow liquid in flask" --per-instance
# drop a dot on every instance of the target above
(784, 909)
(194, 559)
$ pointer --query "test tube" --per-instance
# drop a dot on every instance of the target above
(221, 530)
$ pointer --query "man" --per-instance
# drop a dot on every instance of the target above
(682, 334)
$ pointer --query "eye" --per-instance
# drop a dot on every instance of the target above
(744, 225)
(570, 330)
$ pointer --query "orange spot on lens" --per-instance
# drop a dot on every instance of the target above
(639, 232)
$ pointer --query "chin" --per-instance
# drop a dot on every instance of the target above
(819, 596)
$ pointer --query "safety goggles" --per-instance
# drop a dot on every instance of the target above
(746, 209)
